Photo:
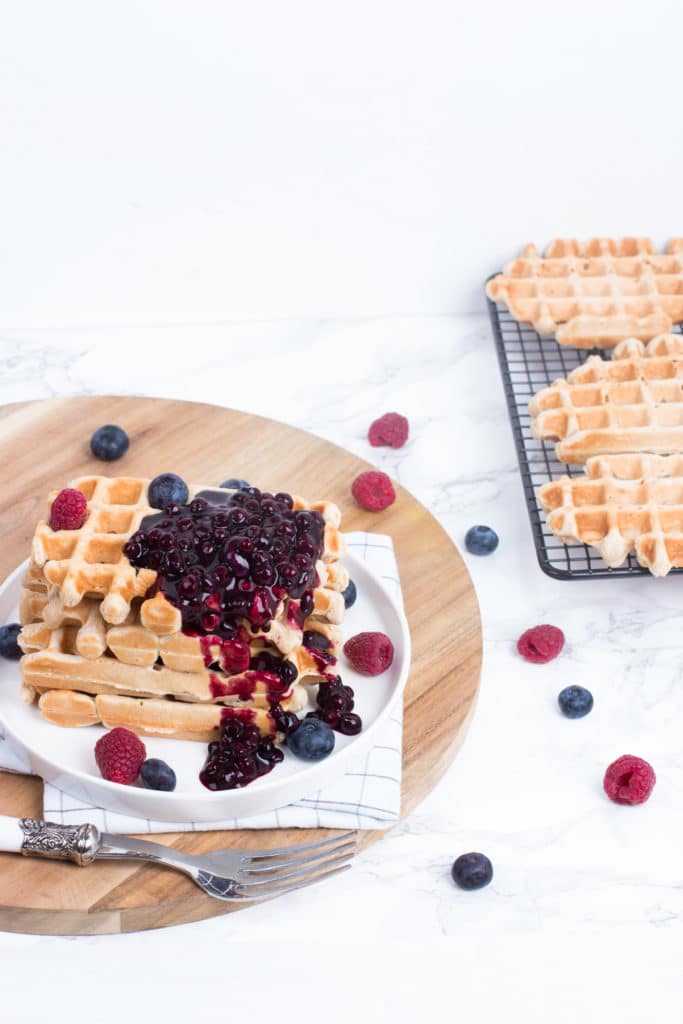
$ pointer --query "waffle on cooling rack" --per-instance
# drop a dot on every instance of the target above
(597, 293)
(623, 503)
(629, 404)
(112, 633)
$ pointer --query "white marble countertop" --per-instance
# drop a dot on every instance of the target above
(577, 878)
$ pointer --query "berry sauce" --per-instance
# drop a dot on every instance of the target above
(231, 656)
(238, 756)
(295, 615)
(219, 564)
(335, 707)
(244, 686)
(244, 715)
(318, 647)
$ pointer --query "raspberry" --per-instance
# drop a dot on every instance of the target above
(119, 755)
(68, 510)
(541, 644)
(629, 780)
(390, 429)
(374, 491)
(369, 653)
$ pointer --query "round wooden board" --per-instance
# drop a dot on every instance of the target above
(45, 444)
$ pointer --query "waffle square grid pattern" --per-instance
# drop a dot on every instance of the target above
(600, 291)
(529, 363)
(91, 560)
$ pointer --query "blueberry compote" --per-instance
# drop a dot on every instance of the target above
(335, 707)
(238, 560)
(239, 756)
(223, 562)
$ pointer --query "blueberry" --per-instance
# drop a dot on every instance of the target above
(472, 871)
(9, 648)
(167, 489)
(350, 594)
(481, 540)
(312, 741)
(156, 774)
(109, 442)
(235, 484)
(575, 701)
(316, 641)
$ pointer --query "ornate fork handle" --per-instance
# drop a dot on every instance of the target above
(236, 875)
(79, 843)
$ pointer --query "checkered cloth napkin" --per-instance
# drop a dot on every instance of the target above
(367, 796)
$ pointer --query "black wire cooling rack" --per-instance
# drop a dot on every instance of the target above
(529, 363)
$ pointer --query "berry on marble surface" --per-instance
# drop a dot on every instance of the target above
(472, 871)
(481, 540)
(575, 701)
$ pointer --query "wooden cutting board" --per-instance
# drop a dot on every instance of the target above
(45, 444)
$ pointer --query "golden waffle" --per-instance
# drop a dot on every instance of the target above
(623, 503)
(148, 717)
(631, 403)
(90, 561)
(83, 667)
(596, 293)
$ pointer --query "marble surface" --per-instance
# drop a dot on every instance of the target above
(576, 877)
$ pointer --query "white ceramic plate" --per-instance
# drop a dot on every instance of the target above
(66, 757)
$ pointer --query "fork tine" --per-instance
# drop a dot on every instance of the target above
(292, 862)
(287, 851)
(280, 890)
(298, 873)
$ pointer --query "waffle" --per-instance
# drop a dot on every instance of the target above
(91, 560)
(97, 649)
(596, 293)
(631, 403)
(147, 717)
(623, 503)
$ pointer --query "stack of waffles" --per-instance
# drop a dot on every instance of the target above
(623, 419)
(102, 644)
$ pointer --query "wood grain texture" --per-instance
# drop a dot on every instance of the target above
(45, 444)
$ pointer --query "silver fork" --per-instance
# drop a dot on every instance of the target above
(233, 875)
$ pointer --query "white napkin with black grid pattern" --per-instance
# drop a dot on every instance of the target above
(367, 796)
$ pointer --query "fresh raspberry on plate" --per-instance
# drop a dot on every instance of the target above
(120, 755)
(369, 653)
(390, 429)
(373, 490)
(629, 780)
(68, 510)
(541, 644)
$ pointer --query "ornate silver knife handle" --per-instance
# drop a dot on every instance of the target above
(78, 843)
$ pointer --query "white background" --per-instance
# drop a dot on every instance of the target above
(168, 161)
